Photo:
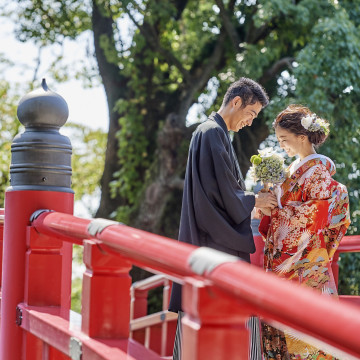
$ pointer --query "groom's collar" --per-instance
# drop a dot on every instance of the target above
(219, 120)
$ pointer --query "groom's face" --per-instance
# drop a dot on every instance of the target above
(242, 116)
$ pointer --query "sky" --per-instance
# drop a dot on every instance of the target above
(86, 106)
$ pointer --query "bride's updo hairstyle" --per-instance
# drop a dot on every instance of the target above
(299, 120)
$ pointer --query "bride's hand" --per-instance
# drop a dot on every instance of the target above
(265, 211)
(256, 214)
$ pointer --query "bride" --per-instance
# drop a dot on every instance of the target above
(302, 237)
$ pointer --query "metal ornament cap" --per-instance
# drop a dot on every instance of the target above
(43, 107)
(40, 155)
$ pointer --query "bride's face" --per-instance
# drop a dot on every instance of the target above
(291, 143)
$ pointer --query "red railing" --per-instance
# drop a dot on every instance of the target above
(2, 217)
(214, 302)
(351, 244)
(217, 303)
(157, 330)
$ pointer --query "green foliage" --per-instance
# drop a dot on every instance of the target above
(54, 25)
(48, 21)
(349, 274)
(168, 41)
(87, 160)
(76, 284)
(330, 87)
(136, 143)
(132, 151)
(155, 298)
(9, 127)
(76, 288)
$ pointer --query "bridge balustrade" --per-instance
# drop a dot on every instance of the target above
(157, 330)
(217, 303)
(220, 292)
(107, 288)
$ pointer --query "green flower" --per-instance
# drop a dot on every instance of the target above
(255, 159)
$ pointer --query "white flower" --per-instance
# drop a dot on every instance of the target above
(306, 121)
(267, 152)
(313, 123)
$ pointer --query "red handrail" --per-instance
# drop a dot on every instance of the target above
(350, 243)
(275, 300)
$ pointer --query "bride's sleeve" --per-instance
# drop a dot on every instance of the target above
(264, 225)
(320, 196)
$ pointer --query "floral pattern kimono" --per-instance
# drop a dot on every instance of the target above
(301, 239)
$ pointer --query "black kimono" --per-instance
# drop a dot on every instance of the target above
(216, 209)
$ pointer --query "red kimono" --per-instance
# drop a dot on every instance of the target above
(301, 239)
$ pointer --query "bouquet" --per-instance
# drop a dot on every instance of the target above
(268, 167)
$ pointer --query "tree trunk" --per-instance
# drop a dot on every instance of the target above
(167, 174)
(115, 88)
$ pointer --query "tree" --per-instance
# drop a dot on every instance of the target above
(87, 160)
(8, 129)
(182, 52)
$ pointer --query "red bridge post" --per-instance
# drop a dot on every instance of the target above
(1, 240)
(105, 294)
(40, 179)
(213, 318)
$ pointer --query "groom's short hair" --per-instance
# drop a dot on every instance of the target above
(248, 90)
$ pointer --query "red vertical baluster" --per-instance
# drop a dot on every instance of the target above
(140, 302)
(214, 327)
(43, 272)
(2, 212)
(43, 269)
(105, 294)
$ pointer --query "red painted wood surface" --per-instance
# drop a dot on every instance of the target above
(249, 287)
(2, 213)
(156, 330)
(217, 304)
(105, 293)
(18, 265)
(347, 244)
(46, 324)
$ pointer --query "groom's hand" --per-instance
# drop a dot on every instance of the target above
(265, 200)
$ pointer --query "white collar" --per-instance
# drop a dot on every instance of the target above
(297, 163)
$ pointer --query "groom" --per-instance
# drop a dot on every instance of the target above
(216, 208)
